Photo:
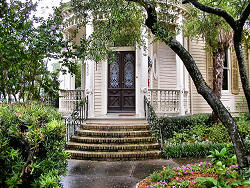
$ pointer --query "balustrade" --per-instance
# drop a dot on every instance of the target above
(69, 99)
(165, 101)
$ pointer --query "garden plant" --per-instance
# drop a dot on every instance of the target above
(219, 172)
(32, 146)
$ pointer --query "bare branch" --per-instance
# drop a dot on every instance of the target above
(244, 16)
(217, 11)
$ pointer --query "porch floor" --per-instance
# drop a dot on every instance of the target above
(130, 116)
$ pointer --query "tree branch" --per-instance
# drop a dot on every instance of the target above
(200, 84)
(217, 11)
(244, 16)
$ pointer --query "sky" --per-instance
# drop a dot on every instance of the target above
(45, 7)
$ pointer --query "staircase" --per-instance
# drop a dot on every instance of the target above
(114, 140)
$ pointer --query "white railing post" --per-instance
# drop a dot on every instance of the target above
(181, 103)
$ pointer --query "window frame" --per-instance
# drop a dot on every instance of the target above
(228, 69)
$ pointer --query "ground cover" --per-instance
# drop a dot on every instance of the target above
(221, 171)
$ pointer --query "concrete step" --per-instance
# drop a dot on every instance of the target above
(135, 155)
(99, 140)
(117, 134)
(110, 127)
(112, 147)
(117, 121)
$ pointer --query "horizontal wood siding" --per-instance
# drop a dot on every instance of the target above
(166, 67)
(199, 105)
(199, 55)
(98, 88)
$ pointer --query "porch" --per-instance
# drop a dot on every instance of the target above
(165, 102)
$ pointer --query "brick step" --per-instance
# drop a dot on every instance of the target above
(117, 134)
(110, 127)
(100, 140)
(117, 121)
(112, 147)
(85, 155)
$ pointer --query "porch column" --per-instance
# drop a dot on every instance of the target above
(141, 74)
(89, 68)
(180, 71)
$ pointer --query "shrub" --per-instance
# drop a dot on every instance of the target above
(196, 149)
(169, 125)
(32, 146)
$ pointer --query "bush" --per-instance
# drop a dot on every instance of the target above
(32, 146)
(196, 149)
(190, 150)
(169, 125)
(195, 136)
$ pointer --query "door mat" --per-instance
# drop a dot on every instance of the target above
(126, 114)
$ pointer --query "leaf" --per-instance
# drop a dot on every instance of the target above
(223, 152)
(219, 163)
(246, 182)
(214, 181)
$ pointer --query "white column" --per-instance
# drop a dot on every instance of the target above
(141, 74)
(180, 70)
(89, 68)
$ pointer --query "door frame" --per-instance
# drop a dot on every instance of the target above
(105, 68)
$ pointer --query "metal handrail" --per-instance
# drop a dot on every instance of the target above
(151, 117)
(74, 121)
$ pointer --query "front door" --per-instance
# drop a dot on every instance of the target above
(121, 83)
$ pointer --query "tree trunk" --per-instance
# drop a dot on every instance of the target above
(213, 101)
(242, 67)
(218, 64)
(200, 84)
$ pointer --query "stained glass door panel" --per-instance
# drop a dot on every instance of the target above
(121, 83)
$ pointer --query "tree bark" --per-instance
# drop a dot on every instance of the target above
(237, 26)
(200, 84)
(242, 66)
(218, 64)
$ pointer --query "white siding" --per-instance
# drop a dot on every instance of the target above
(166, 67)
(98, 84)
(199, 105)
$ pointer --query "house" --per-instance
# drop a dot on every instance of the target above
(156, 73)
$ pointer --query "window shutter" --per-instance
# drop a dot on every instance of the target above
(209, 62)
(235, 72)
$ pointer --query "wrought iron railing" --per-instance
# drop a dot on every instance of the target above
(76, 118)
(69, 99)
(153, 121)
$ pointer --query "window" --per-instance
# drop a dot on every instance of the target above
(226, 72)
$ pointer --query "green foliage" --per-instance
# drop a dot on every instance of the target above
(171, 125)
(26, 45)
(227, 176)
(224, 156)
(196, 136)
(214, 29)
(222, 176)
(116, 23)
(32, 146)
(190, 150)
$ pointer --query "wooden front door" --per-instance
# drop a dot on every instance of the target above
(121, 83)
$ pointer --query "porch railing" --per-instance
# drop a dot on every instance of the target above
(69, 99)
(76, 118)
(165, 101)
